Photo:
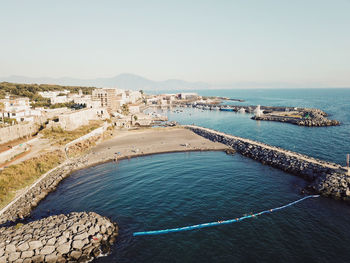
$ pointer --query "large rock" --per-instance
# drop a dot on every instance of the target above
(47, 250)
(44, 242)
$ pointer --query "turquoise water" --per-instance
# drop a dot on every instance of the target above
(180, 189)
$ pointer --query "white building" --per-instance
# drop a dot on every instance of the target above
(133, 96)
(18, 108)
(188, 96)
(134, 109)
(52, 94)
(61, 99)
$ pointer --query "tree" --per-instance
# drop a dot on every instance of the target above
(125, 109)
(2, 107)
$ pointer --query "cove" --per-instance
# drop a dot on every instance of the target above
(171, 190)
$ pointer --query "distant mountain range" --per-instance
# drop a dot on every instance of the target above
(134, 82)
(123, 81)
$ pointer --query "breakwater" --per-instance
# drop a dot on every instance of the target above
(327, 179)
(75, 237)
(308, 117)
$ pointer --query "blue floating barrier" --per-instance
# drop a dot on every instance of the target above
(230, 221)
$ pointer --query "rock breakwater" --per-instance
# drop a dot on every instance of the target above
(328, 179)
(75, 237)
(308, 117)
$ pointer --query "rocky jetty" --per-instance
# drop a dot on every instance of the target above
(76, 237)
(335, 185)
(327, 179)
(308, 117)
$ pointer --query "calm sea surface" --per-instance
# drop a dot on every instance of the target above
(179, 189)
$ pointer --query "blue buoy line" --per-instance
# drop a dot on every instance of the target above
(230, 221)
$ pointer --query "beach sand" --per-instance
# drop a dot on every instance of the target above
(128, 144)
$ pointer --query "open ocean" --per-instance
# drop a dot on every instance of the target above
(180, 189)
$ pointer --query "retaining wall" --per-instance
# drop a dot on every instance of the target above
(17, 131)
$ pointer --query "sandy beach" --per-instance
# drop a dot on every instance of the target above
(127, 144)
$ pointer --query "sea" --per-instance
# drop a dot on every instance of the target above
(180, 189)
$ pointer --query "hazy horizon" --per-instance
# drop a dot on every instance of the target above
(221, 44)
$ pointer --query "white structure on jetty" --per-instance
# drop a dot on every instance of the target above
(241, 110)
(258, 112)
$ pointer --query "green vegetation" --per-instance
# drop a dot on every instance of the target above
(61, 137)
(31, 91)
(125, 109)
(21, 175)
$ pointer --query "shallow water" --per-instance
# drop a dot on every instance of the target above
(180, 189)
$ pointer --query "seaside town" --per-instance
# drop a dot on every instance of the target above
(56, 130)
(174, 131)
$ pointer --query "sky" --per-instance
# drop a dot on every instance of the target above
(299, 41)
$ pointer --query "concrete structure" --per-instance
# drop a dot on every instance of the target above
(17, 131)
(107, 98)
(52, 113)
(73, 120)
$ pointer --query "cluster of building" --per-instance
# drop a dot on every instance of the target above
(112, 100)
(169, 99)
(101, 104)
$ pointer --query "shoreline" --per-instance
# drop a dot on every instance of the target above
(146, 154)
(179, 140)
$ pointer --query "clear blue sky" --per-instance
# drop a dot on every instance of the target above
(299, 41)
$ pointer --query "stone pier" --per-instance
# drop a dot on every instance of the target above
(326, 178)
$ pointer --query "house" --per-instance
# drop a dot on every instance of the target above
(18, 108)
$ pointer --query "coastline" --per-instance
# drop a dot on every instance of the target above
(145, 142)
